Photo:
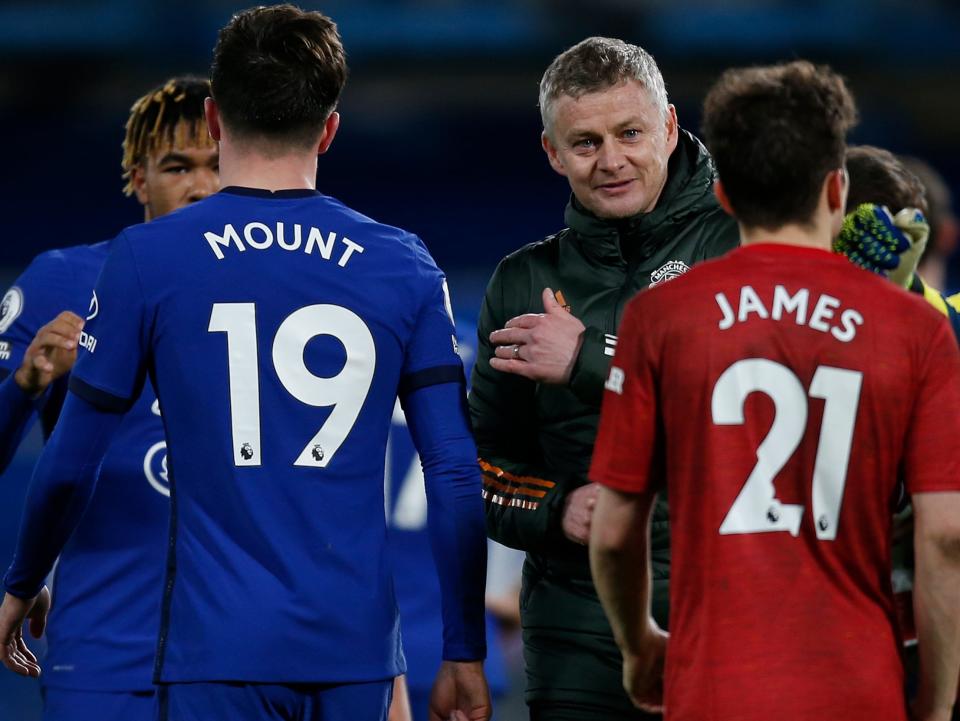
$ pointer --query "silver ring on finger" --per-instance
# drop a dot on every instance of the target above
(516, 351)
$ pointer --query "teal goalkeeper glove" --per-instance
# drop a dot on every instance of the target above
(891, 246)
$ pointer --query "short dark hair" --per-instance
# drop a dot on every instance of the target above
(878, 176)
(170, 114)
(278, 73)
(775, 133)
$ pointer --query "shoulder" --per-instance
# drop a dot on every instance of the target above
(65, 269)
(401, 244)
(538, 254)
(56, 280)
(720, 232)
(366, 222)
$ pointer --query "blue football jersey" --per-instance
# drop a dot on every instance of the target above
(102, 631)
(278, 329)
(415, 574)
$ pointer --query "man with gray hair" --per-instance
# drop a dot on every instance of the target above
(642, 211)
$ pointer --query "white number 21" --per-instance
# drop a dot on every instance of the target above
(346, 391)
(757, 509)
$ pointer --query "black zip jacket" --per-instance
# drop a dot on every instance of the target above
(535, 440)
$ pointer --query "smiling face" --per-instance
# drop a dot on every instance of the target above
(613, 146)
(172, 176)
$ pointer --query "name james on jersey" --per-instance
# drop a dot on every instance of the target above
(783, 304)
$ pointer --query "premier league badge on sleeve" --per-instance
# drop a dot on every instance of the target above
(10, 308)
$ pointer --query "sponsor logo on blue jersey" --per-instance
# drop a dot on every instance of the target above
(94, 307)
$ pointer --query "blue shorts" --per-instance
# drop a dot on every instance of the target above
(64, 704)
(275, 702)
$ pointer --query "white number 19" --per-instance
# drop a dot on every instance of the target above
(346, 391)
(756, 508)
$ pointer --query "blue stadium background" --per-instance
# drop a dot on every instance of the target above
(440, 130)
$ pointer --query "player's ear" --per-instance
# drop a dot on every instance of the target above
(837, 189)
(552, 155)
(722, 198)
(212, 114)
(672, 126)
(330, 128)
(138, 180)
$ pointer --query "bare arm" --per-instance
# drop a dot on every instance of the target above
(400, 704)
(936, 598)
(620, 563)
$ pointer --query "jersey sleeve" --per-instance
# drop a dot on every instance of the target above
(431, 353)
(440, 427)
(63, 483)
(112, 361)
(523, 498)
(34, 300)
(625, 454)
(432, 393)
(932, 452)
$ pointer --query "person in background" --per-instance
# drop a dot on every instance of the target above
(934, 266)
(641, 212)
(886, 229)
(885, 188)
(415, 575)
(778, 394)
(103, 628)
(278, 348)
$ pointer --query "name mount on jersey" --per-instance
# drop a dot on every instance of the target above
(260, 236)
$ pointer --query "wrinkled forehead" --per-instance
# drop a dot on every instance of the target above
(627, 103)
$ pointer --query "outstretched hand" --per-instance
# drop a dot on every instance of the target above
(540, 346)
(14, 653)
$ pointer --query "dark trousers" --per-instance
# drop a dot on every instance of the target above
(570, 711)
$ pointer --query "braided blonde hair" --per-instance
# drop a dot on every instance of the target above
(170, 115)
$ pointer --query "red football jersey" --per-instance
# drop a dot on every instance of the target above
(781, 393)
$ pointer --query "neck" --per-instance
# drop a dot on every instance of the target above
(818, 233)
(787, 235)
(252, 168)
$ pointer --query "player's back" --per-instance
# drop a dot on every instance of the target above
(781, 487)
(277, 328)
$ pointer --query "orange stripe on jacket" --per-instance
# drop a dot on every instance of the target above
(500, 473)
(511, 490)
